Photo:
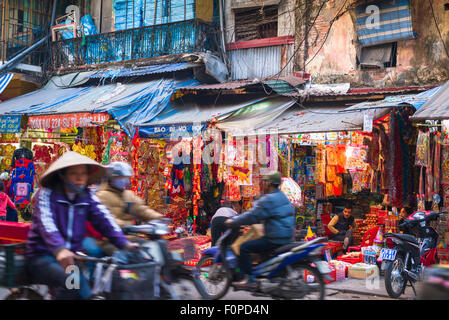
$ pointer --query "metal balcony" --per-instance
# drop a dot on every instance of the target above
(132, 44)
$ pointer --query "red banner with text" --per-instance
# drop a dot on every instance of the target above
(67, 120)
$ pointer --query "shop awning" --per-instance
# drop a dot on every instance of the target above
(245, 120)
(316, 119)
(191, 117)
(130, 104)
(334, 119)
(4, 81)
(436, 107)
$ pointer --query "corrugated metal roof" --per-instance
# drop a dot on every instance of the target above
(436, 108)
(360, 91)
(262, 62)
(281, 85)
(133, 72)
(221, 86)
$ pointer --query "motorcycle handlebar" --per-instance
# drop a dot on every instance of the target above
(82, 257)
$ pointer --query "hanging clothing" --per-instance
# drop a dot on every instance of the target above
(21, 153)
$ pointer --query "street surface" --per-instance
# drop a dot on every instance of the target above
(349, 289)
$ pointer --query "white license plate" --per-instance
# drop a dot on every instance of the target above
(388, 254)
(322, 267)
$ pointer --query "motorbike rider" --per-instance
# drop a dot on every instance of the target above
(278, 216)
(218, 227)
(62, 207)
(123, 204)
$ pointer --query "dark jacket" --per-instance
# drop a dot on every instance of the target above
(60, 223)
(277, 214)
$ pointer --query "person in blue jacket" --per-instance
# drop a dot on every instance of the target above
(277, 214)
(62, 207)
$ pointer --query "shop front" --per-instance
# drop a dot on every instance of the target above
(432, 162)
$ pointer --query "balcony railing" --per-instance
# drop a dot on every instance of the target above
(146, 42)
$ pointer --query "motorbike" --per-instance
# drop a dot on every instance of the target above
(406, 256)
(171, 273)
(293, 271)
(176, 277)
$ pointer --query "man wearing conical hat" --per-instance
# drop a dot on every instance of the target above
(62, 207)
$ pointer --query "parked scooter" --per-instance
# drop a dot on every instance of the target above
(406, 257)
(293, 271)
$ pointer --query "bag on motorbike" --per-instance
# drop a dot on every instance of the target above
(135, 278)
(256, 231)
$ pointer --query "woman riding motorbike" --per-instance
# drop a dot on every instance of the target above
(123, 204)
(63, 206)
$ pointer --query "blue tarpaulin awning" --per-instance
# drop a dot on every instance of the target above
(383, 22)
(131, 104)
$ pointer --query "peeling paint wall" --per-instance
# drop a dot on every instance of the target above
(420, 61)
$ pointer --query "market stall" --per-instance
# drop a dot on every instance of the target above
(432, 159)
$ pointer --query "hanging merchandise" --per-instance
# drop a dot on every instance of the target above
(7, 152)
(437, 164)
(341, 158)
(22, 181)
(320, 164)
(422, 149)
(292, 190)
(85, 150)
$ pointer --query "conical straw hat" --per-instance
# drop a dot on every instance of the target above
(68, 159)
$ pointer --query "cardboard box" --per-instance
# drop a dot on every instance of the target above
(362, 271)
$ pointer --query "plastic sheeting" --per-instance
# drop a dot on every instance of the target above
(190, 117)
(128, 14)
(130, 104)
(245, 120)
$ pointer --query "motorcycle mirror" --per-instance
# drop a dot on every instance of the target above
(436, 198)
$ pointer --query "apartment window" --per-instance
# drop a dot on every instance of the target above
(378, 57)
(256, 23)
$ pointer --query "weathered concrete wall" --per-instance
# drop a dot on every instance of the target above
(419, 61)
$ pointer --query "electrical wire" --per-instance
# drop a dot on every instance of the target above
(438, 28)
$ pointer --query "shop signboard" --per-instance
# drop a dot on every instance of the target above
(174, 130)
(67, 120)
(10, 124)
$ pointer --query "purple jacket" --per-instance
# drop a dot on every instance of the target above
(60, 223)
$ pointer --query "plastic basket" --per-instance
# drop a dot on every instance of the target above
(12, 264)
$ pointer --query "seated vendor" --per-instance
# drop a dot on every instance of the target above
(342, 225)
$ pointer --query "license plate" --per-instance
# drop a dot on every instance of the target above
(322, 267)
(388, 254)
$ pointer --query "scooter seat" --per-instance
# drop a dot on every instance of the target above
(287, 247)
(405, 237)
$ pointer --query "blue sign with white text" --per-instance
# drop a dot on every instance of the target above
(10, 124)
